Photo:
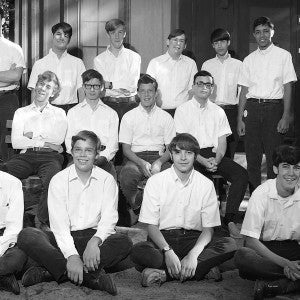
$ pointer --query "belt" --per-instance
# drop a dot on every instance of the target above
(41, 149)
(3, 92)
(180, 231)
(228, 106)
(260, 100)
(120, 99)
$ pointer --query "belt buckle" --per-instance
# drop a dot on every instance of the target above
(260, 100)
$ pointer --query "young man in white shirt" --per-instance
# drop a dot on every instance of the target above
(272, 229)
(68, 68)
(120, 68)
(180, 208)
(12, 259)
(173, 72)
(92, 114)
(83, 202)
(225, 71)
(38, 130)
(145, 133)
(208, 123)
(264, 113)
(12, 65)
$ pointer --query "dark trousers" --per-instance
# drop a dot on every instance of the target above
(121, 105)
(253, 266)
(231, 112)
(41, 246)
(131, 175)
(171, 111)
(261, 136)
(65, 107)
(8, 105)
(232, 172)
(44, 164)
(12, 261)
(147, 255)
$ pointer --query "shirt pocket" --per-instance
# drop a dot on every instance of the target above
(270, 229)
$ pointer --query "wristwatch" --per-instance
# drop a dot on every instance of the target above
(166, 249)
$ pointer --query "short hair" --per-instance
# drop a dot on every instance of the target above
(262, 21)
(66, 28)
(86, 135)
(203, 73)
(2, 13)
(286, 154)
(177, 32)
(219, 34)
(145, 79)
(185, 141)
(113, 24)
(91, 74)
(50, 76)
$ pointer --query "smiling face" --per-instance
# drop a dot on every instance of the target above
(203, 87)
(221, 47)
(60, 40)
(84, 154)
(93, 89)
(147, 95)
(176, 45)
(43, 91)
(116, 37)
(183, 160)
(263, 35)
(287, 178)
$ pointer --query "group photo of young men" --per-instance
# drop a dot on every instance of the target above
(176, 129)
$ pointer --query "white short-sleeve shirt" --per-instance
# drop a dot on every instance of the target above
(265, 72)
(147, 131)
(68, 69)
(170, 204)
(271, 217)
(206, 123)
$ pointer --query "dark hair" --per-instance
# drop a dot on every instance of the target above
(203, 73)
(91, 74)
(145, 79)
(86, 135)
(262, 21)
(286, 154)
(113, 24)
(66, 28)
(1, 13)
(50, 76)
(177, 32)
(219, 34)
(185, 141)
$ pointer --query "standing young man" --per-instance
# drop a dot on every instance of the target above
(208, 123)
(265, 101)
(12, 64)
(38, 130)
(68, 68)
(173, 72)
(83, 202)
(120, 68)
(225, 71)
(180, 208)
(272, 229)
(145, 134)
(92, 114)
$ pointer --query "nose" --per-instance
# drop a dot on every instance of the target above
(183, 155)
(291, 171)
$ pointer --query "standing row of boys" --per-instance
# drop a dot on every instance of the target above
(179, 204)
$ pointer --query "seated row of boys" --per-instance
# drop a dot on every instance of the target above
(180, 208)
(40, 128)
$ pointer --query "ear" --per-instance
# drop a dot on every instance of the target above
(228, 43)
(124, 35)
(272, 32)
(275, 170)
(168, 42)
(171, 156)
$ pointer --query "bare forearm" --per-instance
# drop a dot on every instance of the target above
(11, 76)
(131, 155)
(204, 238)
(156, 236)
(242, 102)
(222, 146)
(287, 99)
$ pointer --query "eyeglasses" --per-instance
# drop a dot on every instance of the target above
(94, 86)
(202, 84)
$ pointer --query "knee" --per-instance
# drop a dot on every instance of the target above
(129, 174)
(137, 252)
(240, 257)
(28, 236)
(122, 242)
(229, 244)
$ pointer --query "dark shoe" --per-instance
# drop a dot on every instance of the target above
(151, 276)
(214, 273)
(264, 289)
(101, 282)
(9, 283)
(36, 275)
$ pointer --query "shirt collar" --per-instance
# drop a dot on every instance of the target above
(36, 108)
(225, 60)
(266, 51)
(197, 104)
(54, 54)
(177, 179)
(120, 52)
(73, 174)
(169, 57)
(84, 103)
(143, 110)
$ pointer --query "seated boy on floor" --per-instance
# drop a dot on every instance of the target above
(180, 207)
(272, 229)
(83, 213)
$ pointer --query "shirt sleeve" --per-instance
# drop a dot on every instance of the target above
(112, 146)
(19, 141)
(70, 130)
(151, 69)
(210, 216)
(126, 132)
(179, 119)
(254, 217)
(19, 58)
(244, 75)
(98, 66)
(14, 216)
(224, 127)
(169, 130)
(193, 72)
(81, 69)
(289, 74)
(58, 216)
(135, 70)
(150, 210)
(33, 76)
(109, 209)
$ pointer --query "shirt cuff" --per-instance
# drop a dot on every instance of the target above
(148, 221)
(70, 251)
(250, 233)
